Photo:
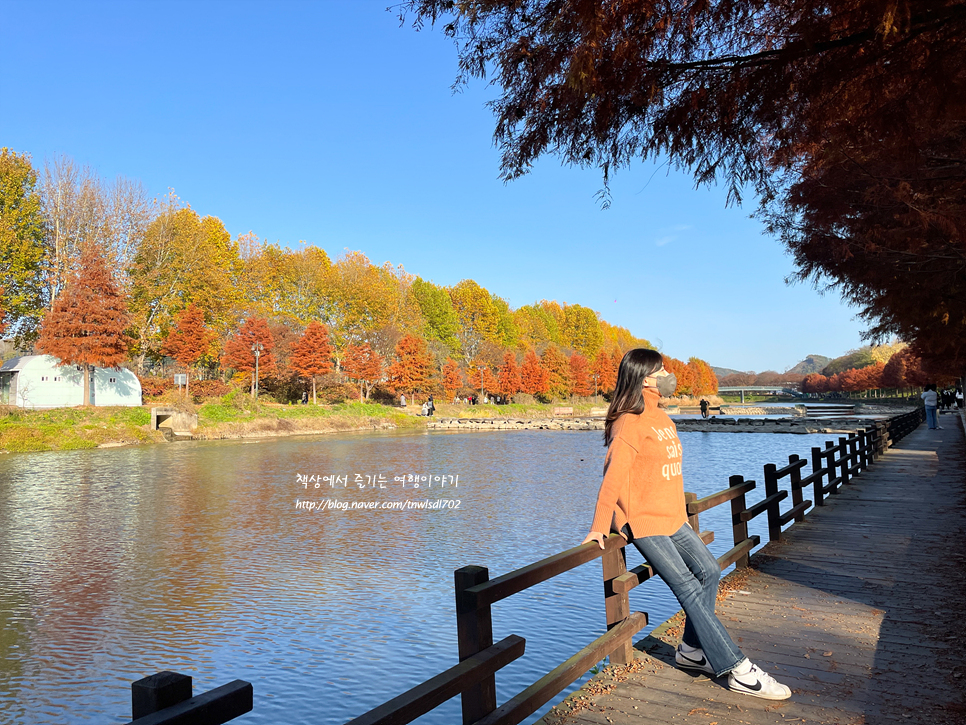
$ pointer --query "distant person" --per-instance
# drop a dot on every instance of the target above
(402, 400)
(959, 398)
(704, 408)
(431, 405)
(931, 400)
(647, 507)
(425, 409)
(305, 397)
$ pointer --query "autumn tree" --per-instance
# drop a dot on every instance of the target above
(312, 354)
(481, 377)
(442, 322)
(413, 367)
(815, 383)
(580, 382)
(87, 323)
(189, 341)
(605, 377)
(558, 372)
(533, 377)
(21, 245)
(452, 380)
(239, 352)
(509, 382)
(363, 365)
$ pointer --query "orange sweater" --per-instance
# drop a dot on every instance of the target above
(642, 483)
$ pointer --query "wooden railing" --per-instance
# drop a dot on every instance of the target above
(474, 678)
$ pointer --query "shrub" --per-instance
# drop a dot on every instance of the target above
(206, 389)
(154, 387)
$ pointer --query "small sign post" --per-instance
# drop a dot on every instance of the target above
(179, 380)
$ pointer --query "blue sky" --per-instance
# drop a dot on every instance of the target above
(328, 122)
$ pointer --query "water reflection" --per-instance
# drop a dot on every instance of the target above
(192, 557)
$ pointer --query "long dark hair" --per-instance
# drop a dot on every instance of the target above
(636, 365)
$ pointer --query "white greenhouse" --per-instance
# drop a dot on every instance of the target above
(41, 381)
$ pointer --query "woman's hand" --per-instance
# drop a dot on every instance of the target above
(594, 536)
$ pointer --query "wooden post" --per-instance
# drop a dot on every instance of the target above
(739, 527)
(818, 481)
(474, 632)
(863, 448)
(844, 450)
(617, 606)
(158, 691)
(774, 513)
(692, 518)
(795, 479)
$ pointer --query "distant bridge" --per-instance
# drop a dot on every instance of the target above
(772, 389)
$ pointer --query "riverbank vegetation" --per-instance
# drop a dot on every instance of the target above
(187, 297)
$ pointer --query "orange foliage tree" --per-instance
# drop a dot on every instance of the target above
(239, 353)
(683, 374)
(413, 366)
(86, 325)
(312, 354)
(533, 378)
(705, 381)
(363, 365)
(814, 383)
(558, 372)
(605, 376)
(580, 382)
(452, 380)
(509, 382)
(481, 377)
(189, 341)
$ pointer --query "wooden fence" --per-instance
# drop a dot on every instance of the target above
(474, 678)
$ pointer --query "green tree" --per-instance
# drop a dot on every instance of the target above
(442, 322)
(582, 330)
(21, 245)
(479, 317)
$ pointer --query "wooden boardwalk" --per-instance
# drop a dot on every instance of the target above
(860, 610)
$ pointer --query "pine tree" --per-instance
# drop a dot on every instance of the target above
(240, 355)
(189, 341)
(362, 364)
(86, 325)
(509, 382)
(312, 354)
(533, 378)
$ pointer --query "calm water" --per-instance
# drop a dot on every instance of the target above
(115, 564)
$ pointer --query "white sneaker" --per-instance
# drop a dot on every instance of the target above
(693, 659)
(752, 680)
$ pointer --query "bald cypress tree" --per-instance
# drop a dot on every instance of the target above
(86, 325)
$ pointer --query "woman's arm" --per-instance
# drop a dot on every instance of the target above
(617, 470)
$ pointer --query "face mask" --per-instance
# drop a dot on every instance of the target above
(667, 384)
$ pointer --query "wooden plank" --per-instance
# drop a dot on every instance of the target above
(738, 551)
(539, 693)
(525, 577)
(795, 512)
(430, 694)
(762, 506)
(708, 502)
(214, 707)
(792, 466)
(616, 604)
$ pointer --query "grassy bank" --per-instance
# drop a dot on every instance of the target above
(67, 429)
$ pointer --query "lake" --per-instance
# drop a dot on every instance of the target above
(203, 558)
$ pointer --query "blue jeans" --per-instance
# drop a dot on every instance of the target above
(691, 571)
(932, 420)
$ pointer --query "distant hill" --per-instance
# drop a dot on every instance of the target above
(811, 364)
(722, 372)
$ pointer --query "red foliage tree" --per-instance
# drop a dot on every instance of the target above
(312, 354)
(482, 378)
(604, 374)
(558, 371)
(86, 325)
(533, 378)
(452, 380)
(814, 383)
(363, 365)
(239, 353)
(683, 373)
(705, 382)
(413, 366)
(871, 376)
(189, 341)
(894, 372)
(509, 382)
(580, 382)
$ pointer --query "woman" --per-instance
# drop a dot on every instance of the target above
(642, 497)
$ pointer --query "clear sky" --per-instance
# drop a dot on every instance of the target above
(328, 122)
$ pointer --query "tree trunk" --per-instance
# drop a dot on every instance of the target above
(87, 384)
(314, 401)
(187, 382)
